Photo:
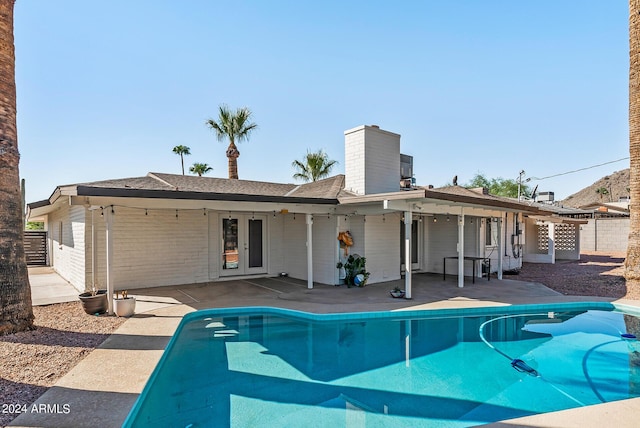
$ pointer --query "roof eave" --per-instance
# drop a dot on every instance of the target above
(493, 203)
(204, 196)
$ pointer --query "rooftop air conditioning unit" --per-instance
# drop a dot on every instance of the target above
(406, 166)
(406, 184)
(545, 197)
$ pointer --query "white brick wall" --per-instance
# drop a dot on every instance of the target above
(295, 248)
(382, 242)
(215, 243)
(67, 250)
(159, 248)
(443, 237)
(325, 241)
(372, 160)
(276, 248)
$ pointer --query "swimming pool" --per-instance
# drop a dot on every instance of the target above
(262, 367)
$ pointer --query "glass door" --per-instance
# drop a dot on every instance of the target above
(243, 244)
(415, 247)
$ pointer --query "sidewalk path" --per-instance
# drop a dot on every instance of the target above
(47, 287)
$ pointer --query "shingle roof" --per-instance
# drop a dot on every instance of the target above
(172, 186)
(190, 183)
(327, 188)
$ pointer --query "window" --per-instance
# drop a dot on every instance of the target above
(490, 233)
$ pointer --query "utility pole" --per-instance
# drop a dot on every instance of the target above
(520, 183)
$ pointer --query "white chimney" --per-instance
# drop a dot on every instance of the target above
(372, 160)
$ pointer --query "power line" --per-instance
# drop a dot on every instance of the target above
(578, 170)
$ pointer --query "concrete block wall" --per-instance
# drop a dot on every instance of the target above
(372, 160)
(604, 234)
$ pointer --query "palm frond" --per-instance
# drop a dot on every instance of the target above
(314, 166)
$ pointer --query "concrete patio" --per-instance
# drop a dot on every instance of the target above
(103, 387)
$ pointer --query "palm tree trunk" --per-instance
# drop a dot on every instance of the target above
(632, 263)
(16, 313)
(232, 155)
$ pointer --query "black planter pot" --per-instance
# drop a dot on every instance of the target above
(94, 304)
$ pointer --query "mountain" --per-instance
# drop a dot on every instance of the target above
(616, 184)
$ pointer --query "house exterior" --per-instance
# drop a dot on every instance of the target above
(164, 229)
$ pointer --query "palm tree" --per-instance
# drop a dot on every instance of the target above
(632, 262)
(602, 191)
(200, 168)
(313, 166)
(182, 151)
(236, 127)
(16, 313)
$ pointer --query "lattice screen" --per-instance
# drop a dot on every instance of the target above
(543, 237)
(565, 237)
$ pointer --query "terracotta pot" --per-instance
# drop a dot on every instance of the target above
(124, 307)
(94, 304)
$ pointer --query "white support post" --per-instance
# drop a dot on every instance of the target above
(93, 250)
(309, 221)
(461, 249)
(500, 247)
(552, 242)
(108, 218)
(407, 254)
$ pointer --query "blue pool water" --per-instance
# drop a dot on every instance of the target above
(267, 367)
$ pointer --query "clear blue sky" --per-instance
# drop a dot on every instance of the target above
(106, 89)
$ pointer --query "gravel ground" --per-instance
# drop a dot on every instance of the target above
(595, 274)
(33, 361)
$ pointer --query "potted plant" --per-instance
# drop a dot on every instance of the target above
(125, 305)
(95, 301)
(397, 292)
(356, 272)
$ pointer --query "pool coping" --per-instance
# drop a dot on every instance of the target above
(398, 314)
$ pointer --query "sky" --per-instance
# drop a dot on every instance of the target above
(106, 89)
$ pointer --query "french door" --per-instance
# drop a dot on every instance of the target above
(243, 244)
